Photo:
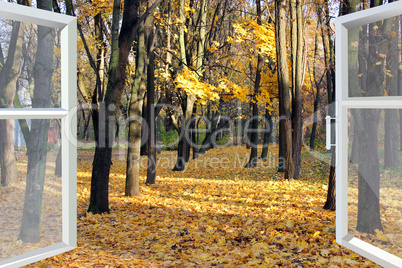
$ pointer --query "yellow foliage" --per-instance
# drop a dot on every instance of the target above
(263, 35)
(208, 215)
(188, 81)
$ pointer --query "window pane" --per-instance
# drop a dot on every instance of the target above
(26, 49)
(18, 218)
(374, 55)
(375, 178)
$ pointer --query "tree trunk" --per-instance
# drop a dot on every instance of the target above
(136, 120)
(254, 125)
(283, 85)
(368, 217)
(120, 48)
(267, 134)
(317, 96)
(194, 133)
(297, 88)
(144, 130)
(367, 120)
(158, 135)
(37, 146)
(328, 56)
(151, 171)
(183, 152)
(391, 120)
(8, 80)
(330, 203)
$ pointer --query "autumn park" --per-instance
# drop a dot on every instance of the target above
(199, 134)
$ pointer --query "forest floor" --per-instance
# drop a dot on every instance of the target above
(214, 214)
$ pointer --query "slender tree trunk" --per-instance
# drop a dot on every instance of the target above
(183, 153)
(37, 148)
(267, 134)
(328, 51)
(135, 119)
(144, 130)
(283, 84)
(317, 95)
(391, 120)
(194, 133)
(330, 203)
(158, 135)
(151, 150)
(254, 123)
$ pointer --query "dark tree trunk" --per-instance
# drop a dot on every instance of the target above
(330, 203)
(120, 49)
(144, 130)
(253, 142)
(329, 60)
(151, 171)
(158, 135)
(194, 133)
(252, 163)
(267, 134)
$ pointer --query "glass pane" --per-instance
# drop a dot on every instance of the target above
(374, 55)
(25, 49)
(375, 178)
(33, 222)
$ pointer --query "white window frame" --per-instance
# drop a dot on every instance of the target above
(344, 102)
(67, 113)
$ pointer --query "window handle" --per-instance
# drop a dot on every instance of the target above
(328, 132)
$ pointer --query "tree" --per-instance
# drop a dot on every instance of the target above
(187, 99)
(9, 74)
(151, 150)
(135, 108)
(121, 44)
(254, 125)
(38, 134)
(298, 68)
(391, 120)
(317, 99)
(328, 45)
(285, 124)
(267, 134)
(367, 120)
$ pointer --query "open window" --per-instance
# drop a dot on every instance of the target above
(369, 137)
(38, 133)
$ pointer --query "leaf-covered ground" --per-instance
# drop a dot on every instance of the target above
(214, 214)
